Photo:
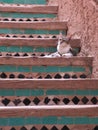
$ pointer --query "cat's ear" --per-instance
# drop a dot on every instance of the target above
(60, 36)
(69, 37)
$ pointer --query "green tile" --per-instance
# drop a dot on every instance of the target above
(49, 120)
(6, 68)
(51, 69)
(14, 49)
(60, 92)
(39, 92)
(16, 121)
(72, 92)
(93, 92)
(67, 92)
(82, 92)
(84, 120)
(27, 31)
(41, 31)
(20, 121)
(65, 120)
(86, 92)
(78, 69)
(38, 69)
(50, 49)
(36, 92)
(39, 49)
(44, 69)
(22, 92)
(24, 1)
(36, 120)
(65, 68)
(72, 69)
(13, 31)
(93, 120)
(6, 1)
(26, 49)
(16, 31)
(28, 121)
(7, 92)
(41, 69)
(52, 92)
(23, 69)
(4, 121)
(3, 49)
(26, 15)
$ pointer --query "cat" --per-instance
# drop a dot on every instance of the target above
(63, 47)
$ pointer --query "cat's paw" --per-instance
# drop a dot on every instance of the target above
(67, 55)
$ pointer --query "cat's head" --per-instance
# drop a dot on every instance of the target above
(62, 38)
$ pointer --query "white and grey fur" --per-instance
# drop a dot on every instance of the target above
(63, 47)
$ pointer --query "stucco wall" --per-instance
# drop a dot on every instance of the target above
(82, 16)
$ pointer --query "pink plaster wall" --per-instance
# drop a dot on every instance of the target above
(82, 17)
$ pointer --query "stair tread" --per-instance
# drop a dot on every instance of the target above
(73, 110)
(35, 9)
(45, 25)
(68, 84)
(30, 61)
(44, 42)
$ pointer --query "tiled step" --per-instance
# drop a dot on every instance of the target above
(40, 111)
(44, 42)
(68, 84)
(47, 25)
(23, 66)
(52, 127)
(37, 61)
(48, 100)
(35, 9)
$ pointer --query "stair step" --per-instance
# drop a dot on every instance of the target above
(27, 111)
(69, 84)
(44, 42)
(34, 9)
(37, 61)
(47, 25)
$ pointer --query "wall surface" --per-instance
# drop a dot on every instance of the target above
(82, 16)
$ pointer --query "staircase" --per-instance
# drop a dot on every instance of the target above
(39, 93)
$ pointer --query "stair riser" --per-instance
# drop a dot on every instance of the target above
(43, 9)
(34, 25)
(35, 42)
(49, 84)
